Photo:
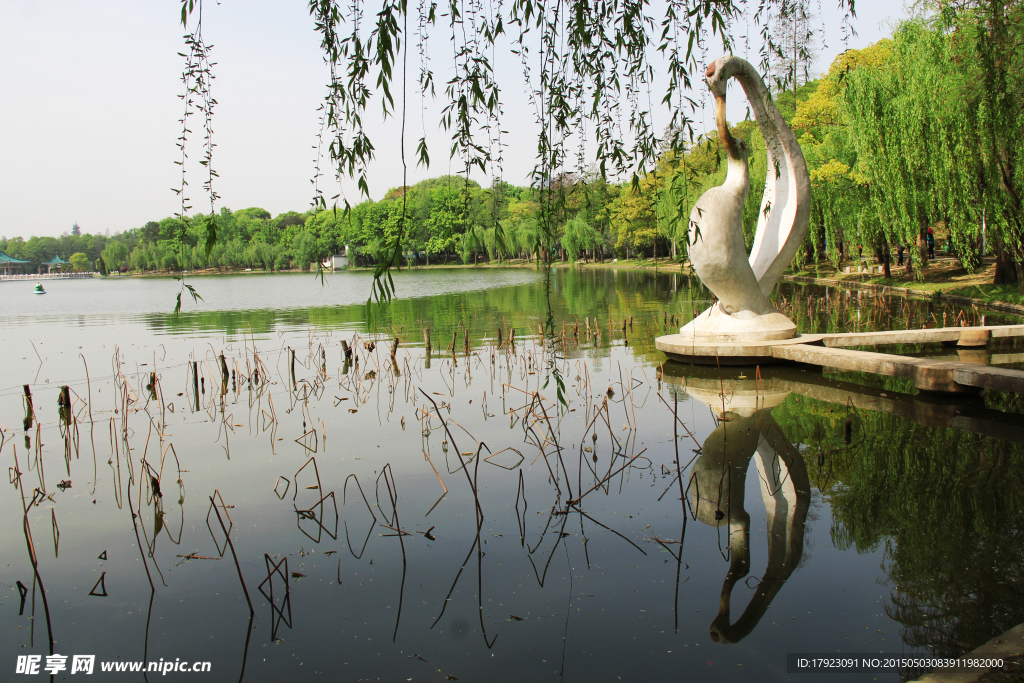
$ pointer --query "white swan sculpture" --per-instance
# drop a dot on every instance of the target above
(743, 312)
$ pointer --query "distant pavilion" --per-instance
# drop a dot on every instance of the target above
(56, 262)
(9, 263)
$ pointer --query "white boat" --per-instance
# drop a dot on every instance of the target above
(39, 288)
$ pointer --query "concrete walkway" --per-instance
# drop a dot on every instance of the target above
(827, 351)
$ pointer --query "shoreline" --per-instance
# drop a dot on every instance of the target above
(631, 265)
(946, 281)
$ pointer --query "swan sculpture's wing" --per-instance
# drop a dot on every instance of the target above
(785, 206)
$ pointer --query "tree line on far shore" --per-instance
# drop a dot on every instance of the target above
(446, 220)
(921, 130)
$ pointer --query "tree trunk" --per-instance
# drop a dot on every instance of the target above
(1006, 271)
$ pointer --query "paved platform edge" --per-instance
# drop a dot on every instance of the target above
(1009, 644)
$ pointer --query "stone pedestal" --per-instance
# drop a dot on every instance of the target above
(715, 325)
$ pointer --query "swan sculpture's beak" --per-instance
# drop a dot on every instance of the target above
(716, 79)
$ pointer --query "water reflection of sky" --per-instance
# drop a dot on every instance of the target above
(98, 300)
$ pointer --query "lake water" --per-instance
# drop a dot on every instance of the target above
(720, 519)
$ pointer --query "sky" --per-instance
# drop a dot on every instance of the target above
(90, 115)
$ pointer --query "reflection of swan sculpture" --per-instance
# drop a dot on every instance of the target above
(717, 493)
(717, 250)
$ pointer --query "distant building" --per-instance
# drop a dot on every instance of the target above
(10, 265)
(337, 261)
(56, 262)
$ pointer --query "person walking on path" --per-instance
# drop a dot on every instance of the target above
(899, 253)
(930, 239)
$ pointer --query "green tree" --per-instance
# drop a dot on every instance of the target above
(304, 250)
(580, 235)
(115, 254)
(447, 219)
(79, 262)
(150, 232)
(941, 129)
(634, 217)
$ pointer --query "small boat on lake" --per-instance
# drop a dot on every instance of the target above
(39, 288)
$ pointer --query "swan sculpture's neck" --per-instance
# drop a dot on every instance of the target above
(737, 177)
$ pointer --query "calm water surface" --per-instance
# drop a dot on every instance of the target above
(725, 519)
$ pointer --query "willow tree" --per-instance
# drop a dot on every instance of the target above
(941, 125)
(580, 236)
(842, 210)
(589, 66)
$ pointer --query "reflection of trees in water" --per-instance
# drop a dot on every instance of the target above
(952, 596)
(603, 294)
(946, 505)
(813, 515)
(1006, 402)
(829, 309)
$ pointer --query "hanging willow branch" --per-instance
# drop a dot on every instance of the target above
(197, 79)
(589, 68)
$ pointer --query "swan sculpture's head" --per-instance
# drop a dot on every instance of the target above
(720, 71)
